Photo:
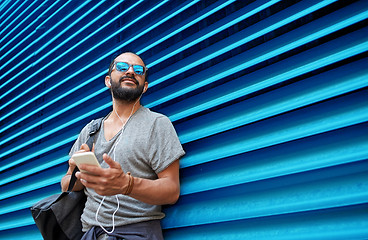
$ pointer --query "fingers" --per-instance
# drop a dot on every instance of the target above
(91, 178)
(87, 180)
(111, 162)
(92, 169)
(95, 170)
(72, 162)
(105, 181)
(85, 148)
(72, 166)
(108, 183)
(98, 171)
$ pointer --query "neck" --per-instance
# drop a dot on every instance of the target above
(123, 110)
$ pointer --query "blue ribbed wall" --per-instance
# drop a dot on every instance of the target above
(269, 98)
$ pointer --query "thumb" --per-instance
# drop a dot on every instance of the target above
(111, 162)
(85, 147)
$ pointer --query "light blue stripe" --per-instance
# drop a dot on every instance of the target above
(328, 123)
(59, 127)
(242, 41)
(296, 72)
(15, 19)
(39, 38)
(205, 36)
(80, 56)
(2, 6)
(40, 16)
(9, 9)
(95, 19)
(13, 12)
(31, 187)
(67, 28)
(63, 54)
(90, 80)
(257, 172)
(22, 222)
(70, 77)
(39, 168)
(274, 109)
(60, 143)
(359, 49)
(60, 69)
(183, 28)
(35, 154)
(242, 92)
(74, 46)
(12, 207)
(216, 9)
(23, 30)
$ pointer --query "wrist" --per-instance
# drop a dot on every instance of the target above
(130, 185)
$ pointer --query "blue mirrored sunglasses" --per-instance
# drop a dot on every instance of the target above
(123, 67)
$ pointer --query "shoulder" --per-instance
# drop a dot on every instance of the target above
(151, 114)
(156, 118)
(92, 127)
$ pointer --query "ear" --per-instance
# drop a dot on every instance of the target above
(145, 86)
(107, 81)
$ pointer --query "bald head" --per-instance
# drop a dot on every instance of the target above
(128, 57)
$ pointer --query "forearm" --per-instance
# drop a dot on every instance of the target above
(78, 186)
(156, 192)
(65, 183)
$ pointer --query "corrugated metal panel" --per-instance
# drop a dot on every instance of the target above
(269, 99)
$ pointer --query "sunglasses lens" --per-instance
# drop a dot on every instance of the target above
(138, 69)
(122, 66)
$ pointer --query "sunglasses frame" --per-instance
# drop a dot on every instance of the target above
(132, 65)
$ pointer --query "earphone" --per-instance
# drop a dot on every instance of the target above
(114, 148)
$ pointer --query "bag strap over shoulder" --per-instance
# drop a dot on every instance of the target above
(94, 128)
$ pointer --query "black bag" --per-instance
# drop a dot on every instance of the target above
(58, 216)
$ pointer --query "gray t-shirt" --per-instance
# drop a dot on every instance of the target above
(147, 146)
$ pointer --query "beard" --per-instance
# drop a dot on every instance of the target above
(124, 93)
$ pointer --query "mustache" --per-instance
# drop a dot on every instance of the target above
(130, 77)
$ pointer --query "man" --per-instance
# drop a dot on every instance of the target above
(139, 154)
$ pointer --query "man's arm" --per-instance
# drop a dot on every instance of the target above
(66, 179)
(112, 181)
(164, 190)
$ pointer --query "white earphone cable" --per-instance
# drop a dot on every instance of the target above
(114, 148)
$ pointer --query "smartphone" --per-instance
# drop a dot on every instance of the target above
(85, 158)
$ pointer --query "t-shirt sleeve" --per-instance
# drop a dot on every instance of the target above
(165, 146)
(82, 138)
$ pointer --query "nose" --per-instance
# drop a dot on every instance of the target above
(130, 70)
